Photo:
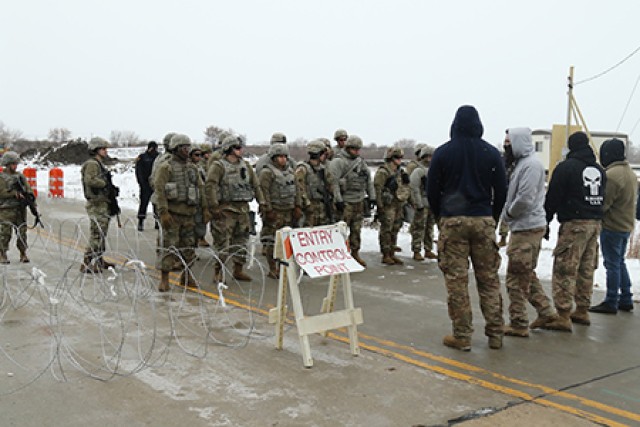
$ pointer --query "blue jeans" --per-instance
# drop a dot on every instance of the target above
(614, 248)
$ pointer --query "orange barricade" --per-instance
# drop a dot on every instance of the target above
(32, 178)
(56, 183)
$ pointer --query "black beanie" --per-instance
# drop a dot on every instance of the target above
(152, 144)
(612, 150)
(578, 140)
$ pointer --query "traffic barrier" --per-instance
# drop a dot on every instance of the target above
(56, 183)
(32, 178)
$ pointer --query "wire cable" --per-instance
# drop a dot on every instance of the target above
(608, 69)
(626, 107)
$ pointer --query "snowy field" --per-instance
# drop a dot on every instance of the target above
(124, 177)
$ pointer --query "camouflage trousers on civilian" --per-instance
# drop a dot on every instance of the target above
(522, 282)
(353, 215)
(178, 243)
(233, 230)
(315, 214)
(99, 227)
(283, 218)
(422, 230)
(575, 259)
(461, 238)
(390, 223)
(9, 219)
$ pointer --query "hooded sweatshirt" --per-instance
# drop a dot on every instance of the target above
(577, 186)
(620, 195)
(524, 208)
(466, 176)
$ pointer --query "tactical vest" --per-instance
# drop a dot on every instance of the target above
(235, 186)
(283, 188)
(90, 193)
(423, 184)
(11, 181)
(357, 177)
(393, 188)
(182, 187)
(316, 186)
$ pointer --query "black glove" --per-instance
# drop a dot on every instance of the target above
(546, 233)
(340, 206)
(405, 178)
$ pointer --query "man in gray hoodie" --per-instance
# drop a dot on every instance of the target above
(525, 215)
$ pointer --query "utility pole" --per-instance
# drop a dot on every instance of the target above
(569, 103)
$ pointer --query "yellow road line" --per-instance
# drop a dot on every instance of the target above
(454, 363)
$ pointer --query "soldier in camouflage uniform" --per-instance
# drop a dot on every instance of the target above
(195, 155)
(340, 136)
(316, 186)
(162, 158)
(466, 189)
(13, 212)
(179, 192)
(217, 151)
(95, 183)
(231, 184)
(282, 203)
(576, 195)
(524, 214)
(354, 184)
(391, 184)
(265, 159)
(329, 156)
(423, 221)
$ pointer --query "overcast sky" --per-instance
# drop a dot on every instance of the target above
(383, 70)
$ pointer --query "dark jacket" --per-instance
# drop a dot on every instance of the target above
(467, 175)
(144, 165)
(576, 189)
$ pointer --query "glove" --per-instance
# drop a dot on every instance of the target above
(297, 213)
(166, 219)
(405, 178)
(217, 214)
(546, 233)
(340, 206)
(271, 216)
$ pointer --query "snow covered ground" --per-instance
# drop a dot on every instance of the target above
(124, 177)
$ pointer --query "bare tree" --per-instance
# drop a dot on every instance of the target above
(405, 143)
(59, 135)
(212, 134)
(123, 138)
(8, 136)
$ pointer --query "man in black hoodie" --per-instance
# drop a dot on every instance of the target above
(576, 195)
(466, 190)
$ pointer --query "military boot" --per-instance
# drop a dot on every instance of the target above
(541, 321)
(463, 344)
(104, 264)
(3, 257)
(396, 260)
(187, 279)
(387, 258)
(240, 275)
(23, 257)
(514, 331)
(164, 282)
(274, 272)
(418, 256)
(561, 323)
(495, 342)
(140, 224)
(90, 265)
(355, 255)
(581, 316)
(430, 255)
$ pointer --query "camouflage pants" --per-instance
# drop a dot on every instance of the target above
(522, 282)
(99, 227)
(422, 230)
(9, 219)
(390, 223)
(315, 214)
(268, 235)
(353, 215)
(233, 230)
(575, 259)
(200, 227)
(178, 243)
(461, 238)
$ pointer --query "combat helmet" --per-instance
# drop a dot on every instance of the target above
(417, 148)
(167, 139)
(316, 147)
(340, 133)
(394, 153)
(9, 157)
(353, 141)
(426, 151)
(206, 148)
(177, 140)
(278, 138)
(222, 136)
(229, 142)
(96, 143)
(278, 150)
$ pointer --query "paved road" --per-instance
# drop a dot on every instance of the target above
(404, 376)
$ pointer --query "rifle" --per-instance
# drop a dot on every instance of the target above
(327, 199)
(112, 194)
(28, 200)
